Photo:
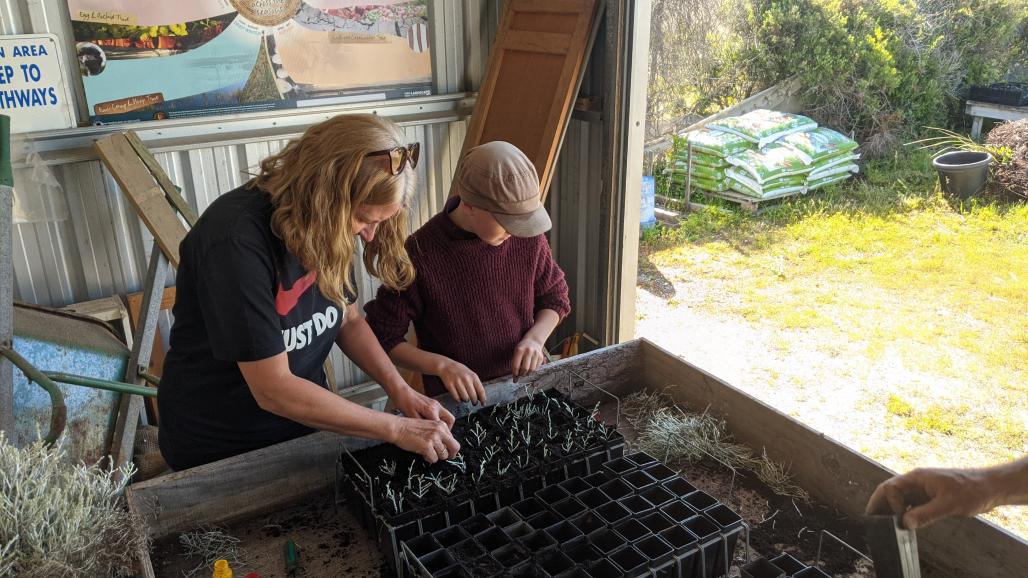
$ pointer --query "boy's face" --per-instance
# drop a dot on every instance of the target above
(484, 225)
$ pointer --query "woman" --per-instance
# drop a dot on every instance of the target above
(265, 287)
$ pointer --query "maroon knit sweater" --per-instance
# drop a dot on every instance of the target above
(470, 301)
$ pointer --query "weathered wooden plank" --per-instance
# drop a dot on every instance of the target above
(143, 193)
(170, 190)
(830, 471)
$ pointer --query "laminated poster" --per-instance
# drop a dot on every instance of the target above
(159, 59)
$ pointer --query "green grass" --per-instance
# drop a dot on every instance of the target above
(888, 264)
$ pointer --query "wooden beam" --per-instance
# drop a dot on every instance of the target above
(143, 192)
(170, 190)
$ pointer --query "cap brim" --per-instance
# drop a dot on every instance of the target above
(527, 225)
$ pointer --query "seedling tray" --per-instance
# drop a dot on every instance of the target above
(539, 447)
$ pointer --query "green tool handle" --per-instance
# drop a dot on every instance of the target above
(58, 411)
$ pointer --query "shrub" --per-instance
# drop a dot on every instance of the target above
(881, 69)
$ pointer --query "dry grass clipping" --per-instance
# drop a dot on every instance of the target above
(664, 428)
(1010, 179)
(58, 519)
(210, 545)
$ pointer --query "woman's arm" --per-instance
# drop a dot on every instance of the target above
(358, 343)
(278, 391)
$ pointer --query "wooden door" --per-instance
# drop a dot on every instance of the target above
(534, 71)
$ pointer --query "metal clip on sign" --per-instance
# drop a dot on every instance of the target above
(893, 548)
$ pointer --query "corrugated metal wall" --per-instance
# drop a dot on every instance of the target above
(80, 240)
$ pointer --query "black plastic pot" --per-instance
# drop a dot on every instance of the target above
(593, 498)
(554, 562)
(616, 489)
(606, 540)
(551, 494)
(574, 485)
(568, 508)
(636, 504)
(761, 568)
(493, 538)
(700, 501)
(467, 551)
(656, 522)
(631, 530)
(708, 538)
(583, 553)
(450, 536)
(518, 529)
(679, 487)
(962, 174)
(476, 524)
(597, 479)
(564, 532)
(660, 472)
(629, 560)
(603, 567)
(641, 459)
(486, 503)
(422, 545)
(638, 480)
(436, 561)
(459, 510)
(730, 525)
(543, 520)
(655, 549)
(677, 511)
(788, 563)
(510, 555)
(503, 517)
(538, 541)
(657, 495)
(612, 512)
(528, 507)
(588, 522)
(619, 466)
(686, 549)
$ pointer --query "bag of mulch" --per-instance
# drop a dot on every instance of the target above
(824, 181)
(837, 169)
(763, 126)
(773, 161)
(743, 183)
(716, 143)
(701, 171)
(682, 160)
(707, 184)
(759, 192)
(820, 144)
(835, 161)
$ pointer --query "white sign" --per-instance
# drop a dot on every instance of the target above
(33, 88)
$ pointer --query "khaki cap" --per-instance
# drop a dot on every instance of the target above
(498, 177)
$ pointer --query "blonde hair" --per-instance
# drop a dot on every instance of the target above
(316, 184)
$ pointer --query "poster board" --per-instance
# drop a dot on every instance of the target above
(33, 88)
(157, 60)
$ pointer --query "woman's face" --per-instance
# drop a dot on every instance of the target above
(367, 218)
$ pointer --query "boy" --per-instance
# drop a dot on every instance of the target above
(488, 292)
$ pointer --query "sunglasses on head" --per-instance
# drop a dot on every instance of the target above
(400, 156)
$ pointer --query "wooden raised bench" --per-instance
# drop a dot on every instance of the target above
(271, 478)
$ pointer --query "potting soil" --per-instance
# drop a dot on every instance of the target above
(763, 126)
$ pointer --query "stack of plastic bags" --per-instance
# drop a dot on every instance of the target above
(831, 155)
(708, 150)
(763, 154)
(773, 171)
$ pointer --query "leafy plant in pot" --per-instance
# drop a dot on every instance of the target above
(962, 163)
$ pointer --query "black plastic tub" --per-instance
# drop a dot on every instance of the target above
(788, 563)
(962, 174)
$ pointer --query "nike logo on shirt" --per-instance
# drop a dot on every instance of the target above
(285, 300)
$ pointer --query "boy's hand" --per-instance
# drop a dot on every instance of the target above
(462, 383)
(528, 356)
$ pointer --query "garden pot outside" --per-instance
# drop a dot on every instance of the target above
(962, 174)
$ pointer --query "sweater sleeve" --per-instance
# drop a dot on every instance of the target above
(391, 312)
(551, 289)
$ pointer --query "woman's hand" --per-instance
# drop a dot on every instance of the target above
(462, 383)
(418, 406)
(528, 356)
(430, 438)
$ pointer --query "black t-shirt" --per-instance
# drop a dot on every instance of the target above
(241, 296)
